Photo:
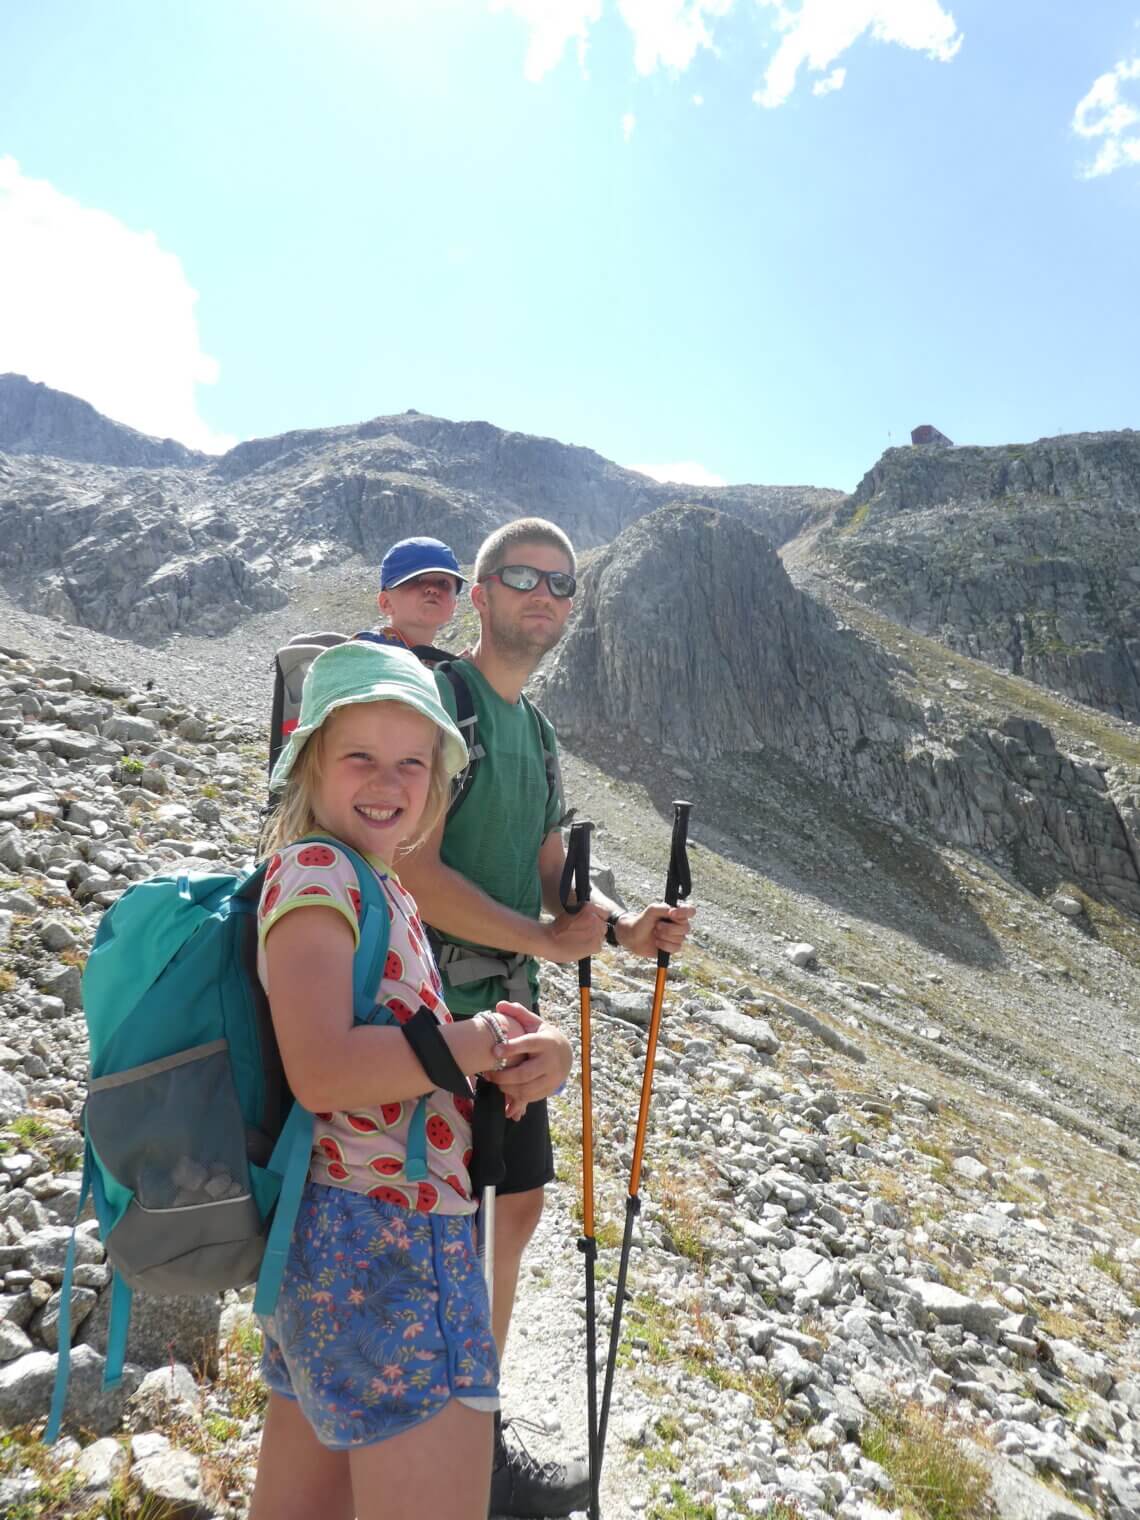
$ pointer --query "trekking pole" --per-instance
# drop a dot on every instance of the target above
(678, 885)
(488, 1130)
(576, 872)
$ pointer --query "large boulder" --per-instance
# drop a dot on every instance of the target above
(690, 635)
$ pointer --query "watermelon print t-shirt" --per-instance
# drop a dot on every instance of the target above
(365, 1150)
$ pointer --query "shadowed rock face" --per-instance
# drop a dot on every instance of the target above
(1027, 557)
(689, 634)
(689, 629)
(34, 419)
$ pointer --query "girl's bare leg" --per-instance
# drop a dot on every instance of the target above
(297, 1477)
(440, 1467)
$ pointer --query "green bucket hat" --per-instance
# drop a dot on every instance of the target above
(364, 672)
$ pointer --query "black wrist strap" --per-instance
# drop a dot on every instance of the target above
(424, 1035)
(611, 930)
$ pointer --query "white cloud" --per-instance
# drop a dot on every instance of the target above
(698, 100)
(666, 33)
(628, 122)
(669, 33)
(552, 23)
(685, 472)
(834, 81)
(1104, 113)
(88, 305)
(818, 32)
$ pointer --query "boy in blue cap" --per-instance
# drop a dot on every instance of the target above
(419, 584)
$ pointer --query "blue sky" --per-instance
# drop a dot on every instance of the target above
(746, 239)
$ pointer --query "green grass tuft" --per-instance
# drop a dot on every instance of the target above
(933, 1475)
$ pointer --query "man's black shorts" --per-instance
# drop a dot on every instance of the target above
(527, 1152)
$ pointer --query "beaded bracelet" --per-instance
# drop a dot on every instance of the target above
(499, 1035)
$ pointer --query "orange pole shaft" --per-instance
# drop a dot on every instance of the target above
(647, 1081)
(587, 1119)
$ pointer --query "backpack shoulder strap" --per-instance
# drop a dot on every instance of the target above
(550, 760)
(372, 950)
(63, 1356)
(467, 722)
(367, 975)
(431, 656)
(290, 1159)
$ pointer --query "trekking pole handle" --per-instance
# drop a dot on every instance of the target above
(576, 874)
(679, 882)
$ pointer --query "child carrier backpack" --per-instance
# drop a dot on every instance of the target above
(195, 1153)
(291, 664)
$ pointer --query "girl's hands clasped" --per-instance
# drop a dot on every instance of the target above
(540, 1059)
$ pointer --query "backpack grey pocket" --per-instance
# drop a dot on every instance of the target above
(192, 1225)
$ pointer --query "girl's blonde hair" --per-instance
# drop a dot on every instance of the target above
(293, 816)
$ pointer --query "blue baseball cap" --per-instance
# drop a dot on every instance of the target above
(417, 556)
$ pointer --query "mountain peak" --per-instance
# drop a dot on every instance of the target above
(35, 419)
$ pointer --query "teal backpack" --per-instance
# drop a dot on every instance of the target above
(195, 1154)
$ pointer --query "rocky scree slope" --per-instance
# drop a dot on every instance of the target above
(102, 527)
(690, 634)
(1026, 556)
(856, 1262)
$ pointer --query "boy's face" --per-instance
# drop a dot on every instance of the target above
(419, 608)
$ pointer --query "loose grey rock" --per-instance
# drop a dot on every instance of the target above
(99, 1465)
(1083, 1366)
(174, 1478)
(754, 1032)
(950, 1307)
(164, 1394)
(57, 936)
(47, 1326)
(184, 1329)
(131, 730)
(1018, 1496)
(26, 1386)
(13, 1098)
(13, 1342)
(1069, 907)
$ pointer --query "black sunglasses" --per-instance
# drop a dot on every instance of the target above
(525, 578)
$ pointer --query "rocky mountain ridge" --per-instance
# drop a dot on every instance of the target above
(195, 545)
(1026, 556)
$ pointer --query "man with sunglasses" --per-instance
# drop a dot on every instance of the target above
(482, 881)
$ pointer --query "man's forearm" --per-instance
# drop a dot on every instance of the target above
(455, 906)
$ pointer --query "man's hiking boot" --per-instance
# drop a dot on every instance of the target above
(524, 1487)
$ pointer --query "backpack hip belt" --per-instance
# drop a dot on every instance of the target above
(461, 965)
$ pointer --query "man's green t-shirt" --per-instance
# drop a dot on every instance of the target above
(496, 834)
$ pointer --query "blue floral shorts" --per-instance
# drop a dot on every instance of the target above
(383, 1318)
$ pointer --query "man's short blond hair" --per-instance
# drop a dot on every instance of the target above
(496, 551)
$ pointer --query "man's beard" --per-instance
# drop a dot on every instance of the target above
(519, 645)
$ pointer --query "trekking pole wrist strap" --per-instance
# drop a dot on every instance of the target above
(611, 929)
(425, 1036)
